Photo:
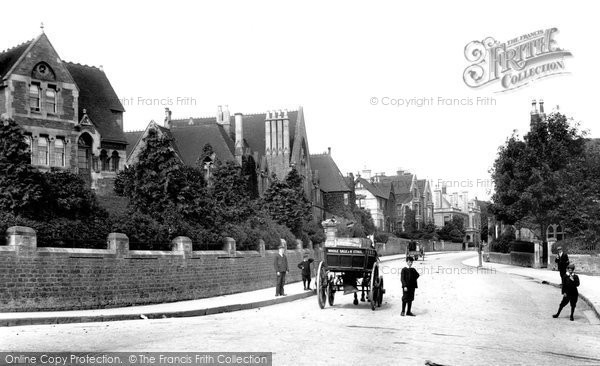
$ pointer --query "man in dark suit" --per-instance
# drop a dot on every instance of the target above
(408, 276)
(281, 267)
(570, 282)
(306, 273)
(562, 261)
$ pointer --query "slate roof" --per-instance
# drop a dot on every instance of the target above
(384, 187)
(98, 97)
(401, 182)
(132, 138)
(254, 128)
(191, 140)
(330, 177)
(403, 198)
(10, 56)
(372, 188)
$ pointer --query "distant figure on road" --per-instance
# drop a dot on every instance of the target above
(562, 260)
(570, 282)
(408, 276)
(306, 273)
(281, 267)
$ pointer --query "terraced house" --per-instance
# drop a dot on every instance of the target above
(71, 115)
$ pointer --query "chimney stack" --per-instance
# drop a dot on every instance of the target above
(541, 106)
(239, 137)
(329, 151)
(167, 123)
(534, 107)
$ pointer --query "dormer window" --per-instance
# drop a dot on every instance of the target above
(35, 97)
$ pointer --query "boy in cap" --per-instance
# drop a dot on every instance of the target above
(281, 267)
(306, 273)
(408, 276)
(570, 282)
(562, 261)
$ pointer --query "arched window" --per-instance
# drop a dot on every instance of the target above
(550, 232)
(59, 152)
(35, 97)
(104, 163)
(42, 146)
(114, 161)
(84, 153)
(560, 235)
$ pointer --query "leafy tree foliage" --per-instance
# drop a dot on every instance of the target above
(286, 203)
(529, 174)
(22, 187)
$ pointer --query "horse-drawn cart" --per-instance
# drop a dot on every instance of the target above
(350, 269)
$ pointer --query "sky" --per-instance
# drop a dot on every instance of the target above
(344, 62)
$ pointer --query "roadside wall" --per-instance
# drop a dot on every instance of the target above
(35, 279)
(588, 264)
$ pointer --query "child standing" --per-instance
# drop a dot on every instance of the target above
(306, 273)
(408, 276)
(570, 282)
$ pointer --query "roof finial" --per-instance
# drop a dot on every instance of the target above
(42, 26)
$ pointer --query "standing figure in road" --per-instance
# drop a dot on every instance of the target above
(281, 267)
(570, 282)
(408, 276)
(562, 261)
(306, 273)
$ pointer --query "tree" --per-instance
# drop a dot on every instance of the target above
(159, 180)
(529, 173)
(22, 187)
(286, 203)
(365, 224)
(410, 221)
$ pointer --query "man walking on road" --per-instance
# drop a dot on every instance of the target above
(562, 261)
(281, 267)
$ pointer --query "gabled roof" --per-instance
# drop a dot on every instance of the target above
(401, 183)
(98, 98)
(191, 140)
(132, 138)
(386, 188)
(330, 177)
(254, 127)
(9, 57)
(421, 185)
(372, 188)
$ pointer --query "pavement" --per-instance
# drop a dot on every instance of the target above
(232, 302)
(589, 288)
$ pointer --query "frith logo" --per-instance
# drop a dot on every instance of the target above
(514, 63)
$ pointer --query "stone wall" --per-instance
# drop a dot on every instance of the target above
(584, 263)
(35, 279)
(513, 258)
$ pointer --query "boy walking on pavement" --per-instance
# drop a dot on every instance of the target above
(570, 282)
(281, 267)
(408, 276)
(306, 273)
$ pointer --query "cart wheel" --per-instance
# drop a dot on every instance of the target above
(374, 285)
(330, 294)
(321, 285)
(380, 292)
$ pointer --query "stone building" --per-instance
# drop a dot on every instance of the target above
(379, 199)
(409, 193)
(448, 205)
(263, 144)
(337, 195)
(71, 115)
